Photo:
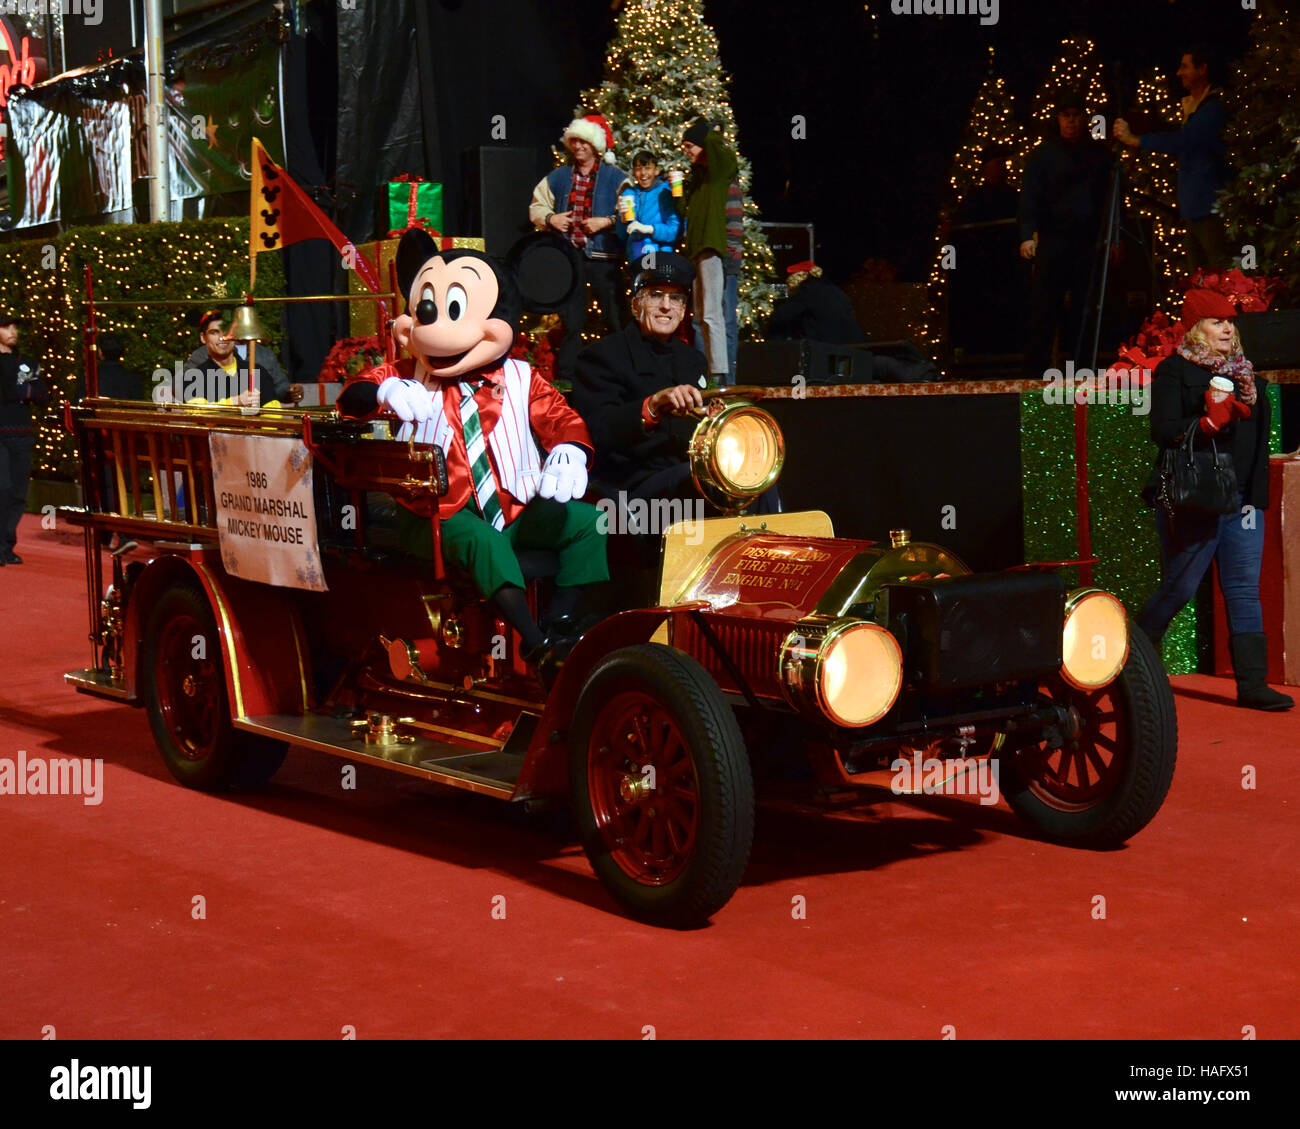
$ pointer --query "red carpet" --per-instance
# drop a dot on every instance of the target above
(373, 908)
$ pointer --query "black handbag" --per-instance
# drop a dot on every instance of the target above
(1197, 478)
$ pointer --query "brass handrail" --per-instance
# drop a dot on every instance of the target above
(191, 302)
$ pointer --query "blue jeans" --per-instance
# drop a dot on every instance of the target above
(1187, 546)
(730, 300)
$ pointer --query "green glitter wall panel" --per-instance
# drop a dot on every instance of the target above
(1120, 457)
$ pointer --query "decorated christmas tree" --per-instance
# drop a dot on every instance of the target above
(1261, 206)
(1152, 180)
(1077, 67)
(992, 126)
(661, 71)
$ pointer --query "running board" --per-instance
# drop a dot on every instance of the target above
(100, 683)
(490, 772)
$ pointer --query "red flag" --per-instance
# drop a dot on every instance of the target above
(281, 213)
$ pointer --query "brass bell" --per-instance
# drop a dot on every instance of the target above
(247, 326)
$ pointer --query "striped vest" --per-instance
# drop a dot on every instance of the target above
(514, 450)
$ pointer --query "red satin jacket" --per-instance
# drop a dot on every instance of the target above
(553, 422)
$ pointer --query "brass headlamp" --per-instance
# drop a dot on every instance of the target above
(736, 453)
(849, 671)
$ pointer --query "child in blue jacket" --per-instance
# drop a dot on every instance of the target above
(657, 225)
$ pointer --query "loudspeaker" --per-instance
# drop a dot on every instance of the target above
(499, 182)
(775, 364)
(1271, 340)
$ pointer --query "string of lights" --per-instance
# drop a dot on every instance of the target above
(44, 280)
(1153, 193)
(992, 124)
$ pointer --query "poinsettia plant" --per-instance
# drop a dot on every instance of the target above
(349, 356)
(536, 349)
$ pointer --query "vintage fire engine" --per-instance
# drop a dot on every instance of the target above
(771, 642)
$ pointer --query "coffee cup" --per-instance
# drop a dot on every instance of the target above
(675, 181)
(1221, 388)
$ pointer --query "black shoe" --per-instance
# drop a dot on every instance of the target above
(10, 557)
(563, 632)
(545, 662)
(1250, 664)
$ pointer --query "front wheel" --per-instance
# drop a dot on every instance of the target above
(1108, 777)
(661, 786)
(185, 696)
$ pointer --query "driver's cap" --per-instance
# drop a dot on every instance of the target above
(665, 267)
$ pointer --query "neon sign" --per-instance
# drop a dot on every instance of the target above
(19, 71)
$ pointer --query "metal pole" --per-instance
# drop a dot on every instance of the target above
(156, 116)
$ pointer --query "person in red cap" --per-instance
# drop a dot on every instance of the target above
(815, 309)
(580, 202)
(1234, 413)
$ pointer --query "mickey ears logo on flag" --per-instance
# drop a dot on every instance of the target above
(263, 213)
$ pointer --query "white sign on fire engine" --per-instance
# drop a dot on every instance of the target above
(266, 511)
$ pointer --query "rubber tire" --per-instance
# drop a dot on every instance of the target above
(237, 759)
(1142, 691)
(725, 829)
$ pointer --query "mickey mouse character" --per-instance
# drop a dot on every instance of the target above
(489, 415)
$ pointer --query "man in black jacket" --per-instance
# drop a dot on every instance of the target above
(627, 384)
(115, 379)
(1061, 204)
(21, 389)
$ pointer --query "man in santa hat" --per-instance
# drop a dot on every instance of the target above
(580, 202)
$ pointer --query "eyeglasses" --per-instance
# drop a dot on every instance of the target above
(675, 297)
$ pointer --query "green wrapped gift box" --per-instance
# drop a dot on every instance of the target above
(414, 202)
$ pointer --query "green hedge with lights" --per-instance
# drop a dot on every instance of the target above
(203, 262)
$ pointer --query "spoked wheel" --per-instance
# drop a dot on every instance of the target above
(185, 695)
(661, 786)
(1107, 779)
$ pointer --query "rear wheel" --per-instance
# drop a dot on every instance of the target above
(1110, 774)
(185, 696)
(661, 786)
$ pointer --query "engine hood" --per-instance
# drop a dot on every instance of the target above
(784, 578)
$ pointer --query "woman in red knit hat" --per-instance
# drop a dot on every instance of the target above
(1234, 412)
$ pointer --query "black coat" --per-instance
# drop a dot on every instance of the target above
(612, 380)
(1178, 399)
(818, 310)
(1064, 191)
(274, 384)
(15, 412)
(119, 382)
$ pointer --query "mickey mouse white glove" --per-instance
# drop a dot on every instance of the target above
(407, 399)
(638, 228)
(564, 474)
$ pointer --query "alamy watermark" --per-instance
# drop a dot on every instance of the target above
(1115, 387)
(958, 776)
(651, 516)
(987, 10)
(60, 776)
(180, 384)
(91, 11)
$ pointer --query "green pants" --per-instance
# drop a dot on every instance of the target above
(471, 545)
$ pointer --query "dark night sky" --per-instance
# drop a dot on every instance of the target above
(885, 115)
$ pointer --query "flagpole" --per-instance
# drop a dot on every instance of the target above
(159, 189)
